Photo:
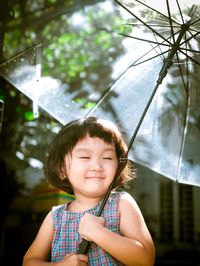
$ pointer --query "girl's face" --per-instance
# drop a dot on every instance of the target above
(92, 167)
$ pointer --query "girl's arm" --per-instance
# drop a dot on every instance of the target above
(39, 252)
(135, 247)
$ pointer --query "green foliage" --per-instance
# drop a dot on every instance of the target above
(29, 116)
(78, 41)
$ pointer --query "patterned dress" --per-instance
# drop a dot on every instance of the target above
(66, 237)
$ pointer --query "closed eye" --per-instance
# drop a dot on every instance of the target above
(107, 158)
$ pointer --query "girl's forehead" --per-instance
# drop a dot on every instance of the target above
(90, 142)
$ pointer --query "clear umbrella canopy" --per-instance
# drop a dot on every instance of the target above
(154, 98)
(170, 144)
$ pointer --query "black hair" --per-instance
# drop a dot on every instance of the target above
(67, 138)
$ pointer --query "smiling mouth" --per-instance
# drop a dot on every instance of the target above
(95, 177)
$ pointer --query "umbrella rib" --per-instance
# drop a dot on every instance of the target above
(153, 57)
(162, 74)
(164, 44)
(181, 72)
(170, 18)
(156, 47)
(157, 33)
(111, 87)
(145, 40)
(186, 120)
(37, 46)
(167, 64)
(158, 12)
(153, 25)
(181, 14)
(191, 37)
(141, 39)
(185, 126)
(195, 22)
(195, 37)
(170, 21)
(187, 82)
(192, 59)
(190, 50)
(134, 64)
(191, 30)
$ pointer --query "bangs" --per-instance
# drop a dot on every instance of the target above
(103, 134)
(94, 128)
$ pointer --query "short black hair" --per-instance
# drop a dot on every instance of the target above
(67, 138)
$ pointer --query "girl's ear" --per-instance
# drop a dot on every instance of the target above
(63, 174)
(64, 167)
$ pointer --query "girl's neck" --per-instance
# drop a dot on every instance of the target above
(81, 204)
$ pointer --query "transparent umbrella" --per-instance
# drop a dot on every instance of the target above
(154, 95)
(168, 139)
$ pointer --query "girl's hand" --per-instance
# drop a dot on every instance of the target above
(89, 224)
(74, 260)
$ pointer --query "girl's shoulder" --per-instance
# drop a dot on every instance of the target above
(115, 198)
(127, 202)
(119, 195)
(127, 197)
(58, 210)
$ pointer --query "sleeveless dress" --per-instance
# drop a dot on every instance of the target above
(66, 237)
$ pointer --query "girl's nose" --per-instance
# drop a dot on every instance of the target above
(96, 165)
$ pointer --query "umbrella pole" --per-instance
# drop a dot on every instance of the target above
(84, 245)
(163, 72)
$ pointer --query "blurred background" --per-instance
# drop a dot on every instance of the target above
(79, 47)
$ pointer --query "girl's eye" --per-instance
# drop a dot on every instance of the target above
(107, 158)
(84, 157)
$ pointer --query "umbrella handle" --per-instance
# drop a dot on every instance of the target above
(83, 247)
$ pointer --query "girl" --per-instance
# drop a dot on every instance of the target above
(83, 160)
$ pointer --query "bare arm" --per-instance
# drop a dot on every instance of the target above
(135, 247)
(39, 252)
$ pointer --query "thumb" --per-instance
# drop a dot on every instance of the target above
(83, 258)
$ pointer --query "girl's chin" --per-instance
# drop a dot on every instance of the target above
(93, 189)
(95, 193)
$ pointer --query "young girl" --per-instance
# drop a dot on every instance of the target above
(83, 160)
